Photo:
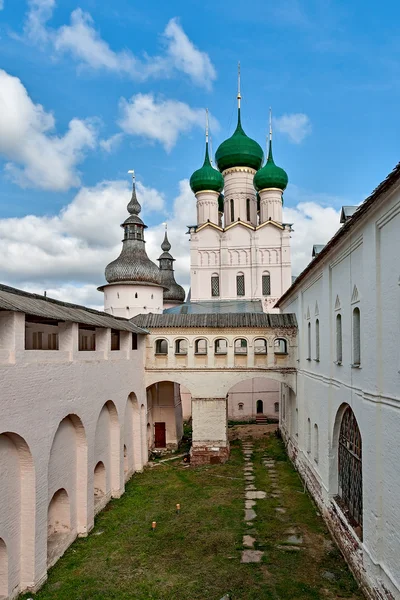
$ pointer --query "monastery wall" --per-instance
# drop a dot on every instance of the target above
(347, 309)
(71, 432)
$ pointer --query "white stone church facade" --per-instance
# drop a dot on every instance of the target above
(85, 395)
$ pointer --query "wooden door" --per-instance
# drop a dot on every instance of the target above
(160, 440)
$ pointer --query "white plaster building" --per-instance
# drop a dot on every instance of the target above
(342, 428)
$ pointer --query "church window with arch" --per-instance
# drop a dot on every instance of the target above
(339, 343)
(266, 284)
(240, 287)
(260, 346)
(350, 493)
(215, 285)
(181, 346)
(232, 206)
(220, 346)
(280, 346)
(248, 213)
(356, 338)
(317, 350)
(240, 346)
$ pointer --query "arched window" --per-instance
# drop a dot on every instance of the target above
(356, 337)
(260, 407)
(308, 436)
(180, 347)
(350, 468)
(200, 346)
(248, 217)
(296, 422)
(220, 346)
(215, 284)
(309, 341)
(280, 346)
(266, 284)
(240, 406)
(316, 443)
(339, 339)
(240, 289)
(161, 347)
(232, 210)
(136, 295)
(240, 346)
(317, 339)
(260, 346)
(276, 407)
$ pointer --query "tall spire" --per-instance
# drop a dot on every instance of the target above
(239, 97)
(206, 125)
(173, 292)
(270, 157)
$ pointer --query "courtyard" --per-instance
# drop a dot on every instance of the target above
(198, 553)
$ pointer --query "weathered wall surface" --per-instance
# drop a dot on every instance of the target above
(360, 273)
(61, 413)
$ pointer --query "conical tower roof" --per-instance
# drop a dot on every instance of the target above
(133, 265)
(173, 292)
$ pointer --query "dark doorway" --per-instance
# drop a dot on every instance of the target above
(260, 407)
(160, 440)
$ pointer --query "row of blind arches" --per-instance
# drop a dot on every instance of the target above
(356, 345)
(221, 346)
(240, 284)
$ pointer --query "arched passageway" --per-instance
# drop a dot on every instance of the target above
(259, 407)
(132, 436)
(17, 515)
(3, 569)
(67, 469)
(164, 415)
(59, 530)
(107, 451)
(99, 486)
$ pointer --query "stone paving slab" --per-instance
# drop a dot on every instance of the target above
(251, 556)
(248, 541)
(249, 503)
(249, 514)
(256, 495)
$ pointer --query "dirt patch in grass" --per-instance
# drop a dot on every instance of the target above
(243, 432)
(196, 555)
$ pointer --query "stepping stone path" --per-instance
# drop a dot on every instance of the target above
(251, 495)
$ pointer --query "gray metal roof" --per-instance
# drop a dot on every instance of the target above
(316, 249)
(48, 308)
(347, 212)
(216, 306)
(216, 321)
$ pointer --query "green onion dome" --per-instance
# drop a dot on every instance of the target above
(206, 178)
(270, 176)
(221, 203)
(239, 151)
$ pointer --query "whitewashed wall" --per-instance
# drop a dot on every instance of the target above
(361, 271)
(61, 413)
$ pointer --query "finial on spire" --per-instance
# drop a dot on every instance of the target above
(166, 246)
(133, 207)
(239, 97)
(270, 124)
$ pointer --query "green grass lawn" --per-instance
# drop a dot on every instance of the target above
(196, 555)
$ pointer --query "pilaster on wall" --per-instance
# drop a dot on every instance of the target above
(210, 443)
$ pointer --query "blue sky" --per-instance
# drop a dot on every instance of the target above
(123, 85)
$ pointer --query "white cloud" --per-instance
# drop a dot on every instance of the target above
(296, 126)
(110, 144)
(312, 224)
(186, 57)
(40, 11)
(37, 156)
(72, 248)
(158, 119)
(1, 4)
(82, 41)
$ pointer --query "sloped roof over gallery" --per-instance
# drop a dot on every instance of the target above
(13, 299)
(217, 321)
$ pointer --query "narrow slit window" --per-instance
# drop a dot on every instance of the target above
(317, 339)
(356, 337)
(309, 341)
(339, 350)
(232, 210)
(248, 216)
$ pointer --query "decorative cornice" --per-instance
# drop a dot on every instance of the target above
(209, 224)
(208, 192)
(274, 189)
(239, 223)
(239, 170)
(274, 223)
